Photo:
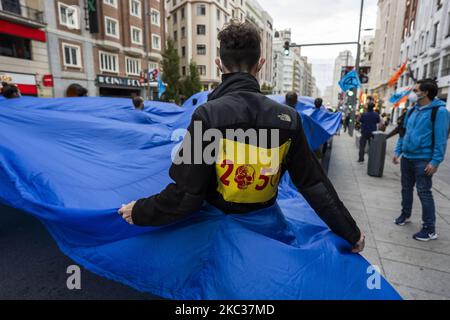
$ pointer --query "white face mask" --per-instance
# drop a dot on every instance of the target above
(413, 98)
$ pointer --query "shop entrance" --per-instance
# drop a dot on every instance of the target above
(119, 92)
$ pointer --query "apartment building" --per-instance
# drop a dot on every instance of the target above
(108, 46)
(426, 43)
(386, 52)
(23, 47)
(263, 22)
(194, 26)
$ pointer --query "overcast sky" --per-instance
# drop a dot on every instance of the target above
(313, 21)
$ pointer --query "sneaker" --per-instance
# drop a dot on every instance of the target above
(402, 220)
(425, 235)
(361, 161)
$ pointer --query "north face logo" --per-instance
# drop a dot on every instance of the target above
(285, 117)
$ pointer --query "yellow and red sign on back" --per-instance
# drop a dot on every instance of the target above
(249, 174)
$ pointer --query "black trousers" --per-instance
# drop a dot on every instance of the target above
(362, 145)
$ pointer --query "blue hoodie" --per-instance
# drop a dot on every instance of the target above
(417, 143)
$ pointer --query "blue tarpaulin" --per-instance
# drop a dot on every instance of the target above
(73, 162)
(319, 124)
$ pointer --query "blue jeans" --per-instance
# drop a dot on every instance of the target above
(413, 173)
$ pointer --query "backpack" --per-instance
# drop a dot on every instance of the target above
(434, 112)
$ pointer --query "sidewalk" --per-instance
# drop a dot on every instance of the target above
(417, 270)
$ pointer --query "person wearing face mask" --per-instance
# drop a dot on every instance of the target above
(421, 149)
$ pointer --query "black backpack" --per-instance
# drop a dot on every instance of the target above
(434, 112)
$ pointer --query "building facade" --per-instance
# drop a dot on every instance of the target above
(386, 52)
(264, 24)
(23, 47)
(194, 26)
(107, 46)
(426, 44)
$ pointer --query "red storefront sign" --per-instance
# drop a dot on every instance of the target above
(22, 31)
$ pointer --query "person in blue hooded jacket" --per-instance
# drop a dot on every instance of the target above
(422, 149)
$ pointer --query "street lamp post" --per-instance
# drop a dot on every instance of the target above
(354, 99)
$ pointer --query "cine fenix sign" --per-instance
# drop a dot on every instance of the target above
(118, 81)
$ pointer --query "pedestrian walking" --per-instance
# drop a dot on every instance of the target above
(369, 121)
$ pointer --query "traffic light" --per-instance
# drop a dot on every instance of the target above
(286, 48)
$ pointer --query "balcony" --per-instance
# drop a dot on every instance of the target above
(13, 11)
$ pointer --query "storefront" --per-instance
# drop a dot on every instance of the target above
(110, 86)
(22, 48)
(25, 82)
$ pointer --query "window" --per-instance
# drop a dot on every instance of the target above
(175, 18)
(201, 10)
(182, 13)
(135, 8)
(68, 16)
(72, 55)
(435, 34)
(156, 42)
(446, 66)
(136, 35)
(175, 35)
(218, 14)
(183, 71)
(133, 66)
(425, 71)
(112, 27)
(112, 3)
(201, 29)
(12, 6)
(156, 17)
(15, 47)
(183, 32)
(448, 27)
(434, 69)
(183, 51)
(109, 62)
(201, 49)
(152, 65)
(201, 70)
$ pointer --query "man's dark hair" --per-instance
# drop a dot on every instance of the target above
(291, 99)
(76, 90)
(240, 46)
(430, 86)
(370, 106)
(318, 102)
(10, 91)
(194, 102)
(138, 102)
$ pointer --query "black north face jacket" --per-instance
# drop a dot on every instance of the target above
(239, 188)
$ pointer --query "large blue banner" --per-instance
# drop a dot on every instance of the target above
(73, 162)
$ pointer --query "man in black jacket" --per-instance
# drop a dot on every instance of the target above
(234, 112)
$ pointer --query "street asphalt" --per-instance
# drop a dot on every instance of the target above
(33, 268)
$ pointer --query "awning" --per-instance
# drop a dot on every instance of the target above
(22, 31)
